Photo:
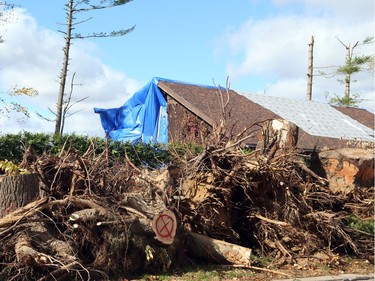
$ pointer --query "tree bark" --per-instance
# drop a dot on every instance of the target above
(17, 191)
(217, 250)
(348, 76)
(310, 69)
(64, 69)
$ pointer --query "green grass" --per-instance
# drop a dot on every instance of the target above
(212, 273)
(356, 223)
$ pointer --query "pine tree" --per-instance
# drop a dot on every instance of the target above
(353, 65)
(73, 7)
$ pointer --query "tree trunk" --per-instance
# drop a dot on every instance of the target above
(310, 69)
(219, 251)
(64, 69)
(347, 76)
(277, 135)
(17, 191)
(348, 168)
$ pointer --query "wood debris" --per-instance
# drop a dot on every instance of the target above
(98, 218)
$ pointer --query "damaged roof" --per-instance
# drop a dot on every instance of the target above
(315, 118)
(321, 125)
(361, 115)
(204, 102)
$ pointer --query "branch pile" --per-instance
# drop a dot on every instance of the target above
(278, 206)
(270, 200)
(96, 217)
(93, 221)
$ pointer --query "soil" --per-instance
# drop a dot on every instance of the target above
(305, 268)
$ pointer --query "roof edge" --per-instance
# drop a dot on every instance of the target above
(185, 103)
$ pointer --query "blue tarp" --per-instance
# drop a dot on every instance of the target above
(143, 117)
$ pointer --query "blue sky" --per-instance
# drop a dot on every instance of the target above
(172, 39)
(261, 45)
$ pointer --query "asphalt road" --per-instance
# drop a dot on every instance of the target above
(341, 277)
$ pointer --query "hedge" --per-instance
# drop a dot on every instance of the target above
(12, 147)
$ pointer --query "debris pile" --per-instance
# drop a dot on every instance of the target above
(276, 205)
(99, 218)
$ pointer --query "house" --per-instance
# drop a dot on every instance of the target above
(167, 110)
(361, 115)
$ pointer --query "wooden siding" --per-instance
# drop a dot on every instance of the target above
(184, 126)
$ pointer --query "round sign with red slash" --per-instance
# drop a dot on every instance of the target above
(164, 225)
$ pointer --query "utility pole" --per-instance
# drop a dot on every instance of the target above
(310, 69)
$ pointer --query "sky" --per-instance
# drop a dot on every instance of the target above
(261, 46)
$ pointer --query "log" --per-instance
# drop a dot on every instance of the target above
(17, 191)
(40, 235)
(29, 210)
(164, 225)
(149, 208)
(217, 251)
(85, 215)
(348, 168)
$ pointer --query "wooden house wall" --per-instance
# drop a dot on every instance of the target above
(183, 125)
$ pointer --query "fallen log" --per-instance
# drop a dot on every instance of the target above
(164, 225)
(217, 251)
(40, 235)
(27, 255)
(27, 211)
(348, 168)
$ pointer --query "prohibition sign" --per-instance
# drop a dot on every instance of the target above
(164, 226)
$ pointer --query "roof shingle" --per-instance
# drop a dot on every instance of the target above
(321, 126)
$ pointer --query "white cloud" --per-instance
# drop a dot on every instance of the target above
(277, 46)
(15, 123)
(32, 57)
(347, 11)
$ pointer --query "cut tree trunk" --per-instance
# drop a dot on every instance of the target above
(277, 135)
(347, 168)
(217, 251)
(164, 225)
(17, 191)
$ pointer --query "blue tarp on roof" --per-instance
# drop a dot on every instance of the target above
(143, 117)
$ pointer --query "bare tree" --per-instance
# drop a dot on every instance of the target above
(68, 104)
(74, 7)
(310, 69)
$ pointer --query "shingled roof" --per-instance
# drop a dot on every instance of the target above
(361, 115)
(204, 102)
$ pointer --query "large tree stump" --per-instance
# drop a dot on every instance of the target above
(347, 168)
(17, 191)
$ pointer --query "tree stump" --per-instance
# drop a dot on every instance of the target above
(347, 168)
(17, 191)
(277, 135)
